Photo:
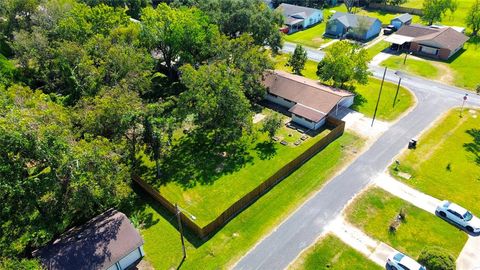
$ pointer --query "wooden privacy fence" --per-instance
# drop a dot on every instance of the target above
(395, 9)
(252, 196)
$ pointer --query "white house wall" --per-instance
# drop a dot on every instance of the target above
(280, 101)
(302, 121)
(347, 101)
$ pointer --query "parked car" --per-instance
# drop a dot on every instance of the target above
(399, 261)
(459, 215)
(389, 29)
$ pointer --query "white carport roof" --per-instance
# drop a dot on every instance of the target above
(398, 39)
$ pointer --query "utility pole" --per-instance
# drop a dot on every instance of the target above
(180, 228)
(399, 74)
(405, 59)
(379, 95)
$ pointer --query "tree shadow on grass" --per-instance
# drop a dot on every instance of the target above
(266, 150)
(198, 159)
(474, 147)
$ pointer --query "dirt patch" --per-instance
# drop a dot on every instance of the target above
(144, 265)
(446, 73)
(405, 175)
(258, 117)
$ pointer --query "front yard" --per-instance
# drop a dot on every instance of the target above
(331, 253)
(367, 95)
(374, 210)
(446, 163)
(162, 242)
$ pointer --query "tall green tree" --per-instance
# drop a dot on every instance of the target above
(216, 99)
(237, 17)
(49, 179)
(435, 10)
(344, 62)
(271, 124)
(297, 60)
(473, 18)
(179, 36)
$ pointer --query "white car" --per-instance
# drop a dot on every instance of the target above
(459, 215)
(399, 261)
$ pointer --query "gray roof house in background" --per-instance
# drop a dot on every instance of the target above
(401, 20)
(108, 241)
(298, 17)
(268, 3)
(343, 24)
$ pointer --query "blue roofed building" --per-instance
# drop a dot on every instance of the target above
(401, 20)
(353, 26)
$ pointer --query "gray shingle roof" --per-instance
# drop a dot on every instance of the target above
(405, 17)
(446, 37)
(351, 20)
(292, 10)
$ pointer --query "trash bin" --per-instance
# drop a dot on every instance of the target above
(412, 144)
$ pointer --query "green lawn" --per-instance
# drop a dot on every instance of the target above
(311, 37)
(446, 163)
(331, 253)
(374, 210)
(207, 185)
(377, 48)
(367, 95)
(162, 241)
(422, 68)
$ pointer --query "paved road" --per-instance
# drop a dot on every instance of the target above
(308, 222)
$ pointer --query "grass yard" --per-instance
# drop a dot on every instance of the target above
(374, 210)
(415, 66)
(367, 95)
(377, 48)
(331, 253)
(446, 163)
(311, 37)
(212, 192)
(162, 241)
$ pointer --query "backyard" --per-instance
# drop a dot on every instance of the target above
(331, 253)
(446, 163)
(205, 185)
(374, 210)
(162, 243)
(366, 95)
(455, 19)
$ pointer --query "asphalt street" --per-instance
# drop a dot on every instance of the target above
(307, 223)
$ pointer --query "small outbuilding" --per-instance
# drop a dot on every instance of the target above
(308, 101)
(108, 241)
(401, 20)
(298, 17)
(353, 26)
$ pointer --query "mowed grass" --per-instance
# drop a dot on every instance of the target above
(446, 163)
(310, 37)
(225, 247)
(422, 68)
(455, 19)
(377, 48)
(374, 210)
(333, 254)
(206, 201)
(367, 95)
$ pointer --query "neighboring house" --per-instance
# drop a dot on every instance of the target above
(436, 42)
(308, 101)
(298, 17)
(353, 26)
(108, 241)
(401, 20)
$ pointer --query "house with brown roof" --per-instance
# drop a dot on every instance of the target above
(108, 241)
(308, 101)
(431, 41)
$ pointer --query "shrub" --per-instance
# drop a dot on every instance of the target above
(436, 259)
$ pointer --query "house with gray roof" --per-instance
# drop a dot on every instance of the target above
(298, 17)
(401, 20)
(108, 241)
(435, 42)
(353, 26)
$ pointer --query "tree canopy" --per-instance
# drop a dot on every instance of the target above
(473, 18)
(435, 10)
(297, 60)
